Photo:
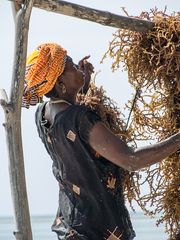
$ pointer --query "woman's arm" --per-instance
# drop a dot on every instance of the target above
(103, 141)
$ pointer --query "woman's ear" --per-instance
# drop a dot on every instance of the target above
(64, 90)
(61, 87)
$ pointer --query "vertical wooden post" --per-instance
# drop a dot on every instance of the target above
(12, 110)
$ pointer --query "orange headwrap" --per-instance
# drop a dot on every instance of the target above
(43, 67)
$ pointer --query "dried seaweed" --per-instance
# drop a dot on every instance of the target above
(152, 61)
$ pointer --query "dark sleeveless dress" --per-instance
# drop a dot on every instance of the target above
(91, 202)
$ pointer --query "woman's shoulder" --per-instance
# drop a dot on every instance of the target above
(83, 110)
(81, 114)
(82, 107)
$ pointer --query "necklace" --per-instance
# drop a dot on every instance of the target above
(60, 101)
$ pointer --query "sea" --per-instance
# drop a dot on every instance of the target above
(145, 228)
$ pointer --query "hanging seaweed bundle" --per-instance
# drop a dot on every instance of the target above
(152, 60)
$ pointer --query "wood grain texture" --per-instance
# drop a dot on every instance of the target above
(93, 15)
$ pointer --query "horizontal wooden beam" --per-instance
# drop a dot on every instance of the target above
(93, 15)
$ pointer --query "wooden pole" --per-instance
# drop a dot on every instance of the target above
(12, 110)
(94, 15)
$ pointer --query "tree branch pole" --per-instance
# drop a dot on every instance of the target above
(93, 15)
(12, 110)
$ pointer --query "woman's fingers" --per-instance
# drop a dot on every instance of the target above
(86, 57)
(84, 60)
(85, 65)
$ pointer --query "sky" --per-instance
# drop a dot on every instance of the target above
(80, 38)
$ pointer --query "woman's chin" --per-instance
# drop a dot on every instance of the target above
(82, 82)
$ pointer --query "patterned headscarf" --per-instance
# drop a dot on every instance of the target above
(43, 66)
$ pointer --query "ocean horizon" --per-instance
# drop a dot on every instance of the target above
(144, 226)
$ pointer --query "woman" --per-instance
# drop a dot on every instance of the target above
(91, 203)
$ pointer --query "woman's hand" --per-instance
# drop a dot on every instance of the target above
(86, 66)
(88, 69)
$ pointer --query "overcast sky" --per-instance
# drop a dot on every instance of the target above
(80, 38)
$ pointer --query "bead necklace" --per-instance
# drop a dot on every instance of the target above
(60, 101)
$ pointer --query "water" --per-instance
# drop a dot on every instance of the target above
(145, 228)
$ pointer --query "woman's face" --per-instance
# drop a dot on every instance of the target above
(72, 77)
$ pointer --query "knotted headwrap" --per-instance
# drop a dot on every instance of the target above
(43, 66)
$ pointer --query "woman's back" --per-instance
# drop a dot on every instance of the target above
(90, 198)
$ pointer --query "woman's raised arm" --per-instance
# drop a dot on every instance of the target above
(103, 141)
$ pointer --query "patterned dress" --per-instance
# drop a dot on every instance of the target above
(91, 201)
